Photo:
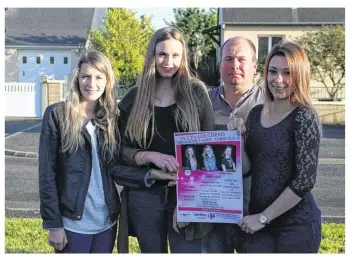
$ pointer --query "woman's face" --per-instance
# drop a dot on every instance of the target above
(168, 57)
(91, 82)
(228, 152)
(190, 152)
(209, 151)
(279, 80)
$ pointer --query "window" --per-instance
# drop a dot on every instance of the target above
(66, 60)
(51, 60)
(38, 59)
(24, 60)
(265, 45)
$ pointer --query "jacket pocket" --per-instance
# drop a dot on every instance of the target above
(72, 190)
(72, 197)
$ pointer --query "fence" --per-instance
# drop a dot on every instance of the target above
(22, 99)
(321, 94)
(317, 93)
(120, 91)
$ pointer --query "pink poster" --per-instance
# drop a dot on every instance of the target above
(209, 187)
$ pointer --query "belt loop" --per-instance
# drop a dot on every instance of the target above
(166, 195)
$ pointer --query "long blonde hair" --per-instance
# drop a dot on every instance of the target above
(186, 113)
(299, 68)
(104, 113)
(204, 153)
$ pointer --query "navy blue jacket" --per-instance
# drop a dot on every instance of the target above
(64, 177)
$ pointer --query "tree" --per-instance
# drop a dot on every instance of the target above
(326, 51)
(123, 38)
(191, 22)
(259, 77)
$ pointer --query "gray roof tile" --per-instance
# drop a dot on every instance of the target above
(281, 16)
(324, 15)
(47, 26)
(257, 15)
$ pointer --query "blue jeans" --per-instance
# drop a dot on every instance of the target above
(84, 243)
(224, 238)
(150, 214)
(288, 239)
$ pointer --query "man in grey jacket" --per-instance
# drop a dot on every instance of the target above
(235, 98)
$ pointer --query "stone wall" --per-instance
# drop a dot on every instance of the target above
(331, 112)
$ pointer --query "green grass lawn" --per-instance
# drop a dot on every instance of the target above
(27, 236)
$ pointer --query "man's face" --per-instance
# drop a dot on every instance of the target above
(238, 67)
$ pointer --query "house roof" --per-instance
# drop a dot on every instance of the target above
(47, 26)
(282, 16)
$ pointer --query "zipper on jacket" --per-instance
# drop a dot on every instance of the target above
(105, 174)
(88, 138)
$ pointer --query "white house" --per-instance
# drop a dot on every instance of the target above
(42, 41)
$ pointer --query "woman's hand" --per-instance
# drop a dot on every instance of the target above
(177, 225)
(172, 183)
(167, 163)
(162, 175)
(236, 123)
(251, 224)
(57, 238)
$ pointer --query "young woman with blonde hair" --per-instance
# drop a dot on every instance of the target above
(78, 152)
(209, 159)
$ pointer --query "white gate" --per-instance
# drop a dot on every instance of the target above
(22, 99)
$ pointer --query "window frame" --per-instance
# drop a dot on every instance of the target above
(269, 42)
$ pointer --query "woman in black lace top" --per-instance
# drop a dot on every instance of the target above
(227, 161)
(282, 141)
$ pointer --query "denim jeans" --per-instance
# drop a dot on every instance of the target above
(151, 213)
(84, 243)
(288, 239)
(224, 238)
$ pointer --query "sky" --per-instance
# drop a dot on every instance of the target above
(157, 15)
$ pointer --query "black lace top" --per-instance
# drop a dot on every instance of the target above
(228, 163)
(283, 155)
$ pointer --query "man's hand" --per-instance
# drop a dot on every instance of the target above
(57, 238)
(176, 224)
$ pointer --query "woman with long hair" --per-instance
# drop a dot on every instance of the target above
(209, 159)
(166, 99)
(227, 161)
(282, 141)
(190, 161)
(78, 149)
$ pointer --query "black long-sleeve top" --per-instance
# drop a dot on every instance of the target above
(281, 156)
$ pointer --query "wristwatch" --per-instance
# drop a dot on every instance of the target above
(263, 219)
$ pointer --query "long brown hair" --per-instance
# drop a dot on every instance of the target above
(186, 113)
(104, 113)
(299, 68)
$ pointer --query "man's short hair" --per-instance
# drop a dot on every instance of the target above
(252, 46)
